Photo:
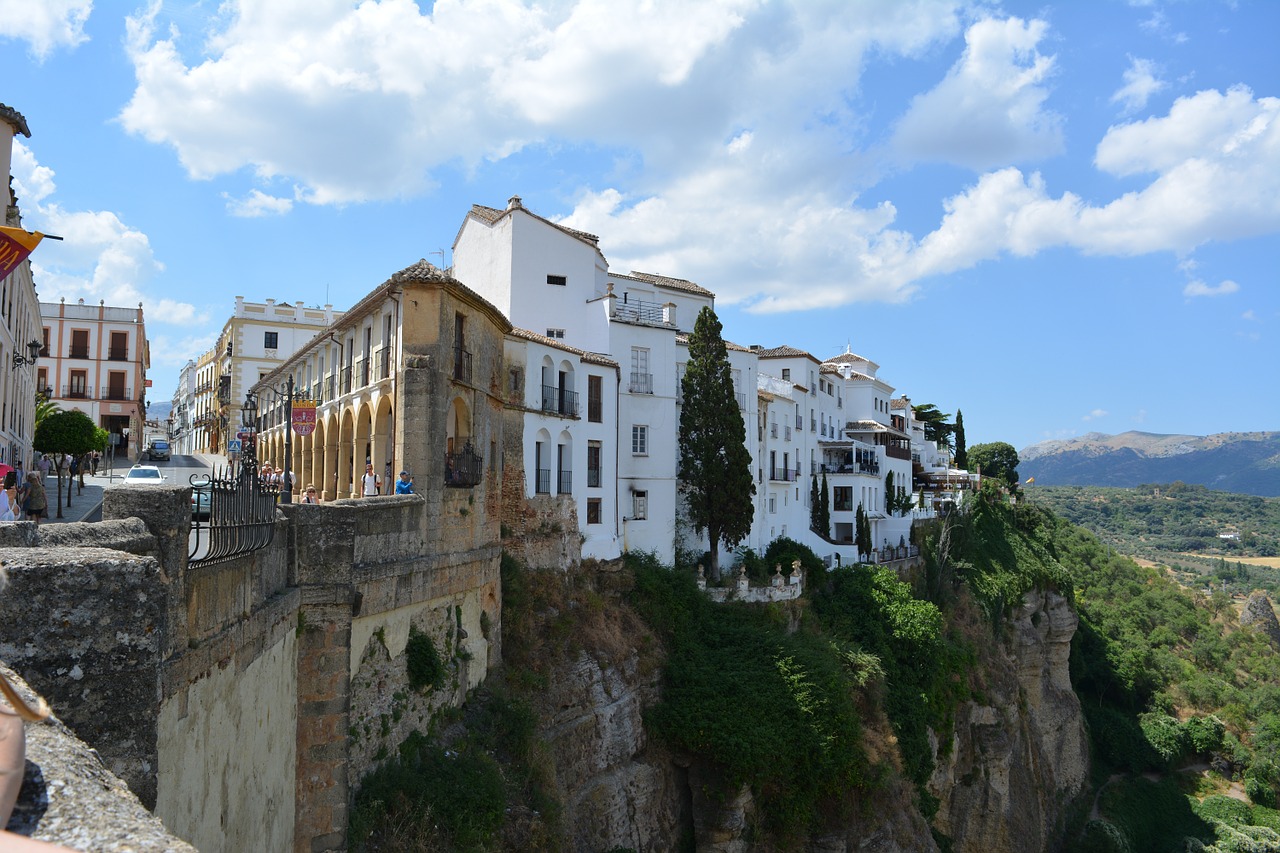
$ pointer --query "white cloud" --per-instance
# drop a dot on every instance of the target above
(100, 258)
(1095, 414)
(256, 204)
(167, 351)
(1140, 83)
(1199, 288)
(483, 79)
(990, 109)
(45, 25)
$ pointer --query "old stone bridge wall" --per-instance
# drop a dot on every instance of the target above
(243, 701)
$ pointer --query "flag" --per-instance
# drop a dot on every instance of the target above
(15, 245)
(1030, 480)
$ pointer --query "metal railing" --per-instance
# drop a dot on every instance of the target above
(232, 512)
(117, 355)
(384, 363)
(560, 401)
(461, 364)
(565, 483)
(542, 483)
(742, 401)
(593, 478)
(787, 433)
(361, 372)
(773, 430)
(117, 393)
(77, 392)
(639, 312)
(463, 468)
(346, 380)
(641, 383)
(78, 352)
(786, 475)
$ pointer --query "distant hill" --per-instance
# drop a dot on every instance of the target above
(1244, 462)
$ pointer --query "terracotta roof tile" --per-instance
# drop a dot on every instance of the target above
(669, 282)
(589, 357)
(15, 119)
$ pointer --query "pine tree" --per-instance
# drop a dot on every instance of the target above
(715, 465)
(962, 454)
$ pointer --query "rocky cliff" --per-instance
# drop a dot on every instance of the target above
(1016, 759)
(1004, 777)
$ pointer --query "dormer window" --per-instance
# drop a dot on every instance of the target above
(557, 279)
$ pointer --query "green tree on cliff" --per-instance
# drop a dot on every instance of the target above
(63, 433)
(936, 428)
(996, 459)
(962, 454)
(715, 466)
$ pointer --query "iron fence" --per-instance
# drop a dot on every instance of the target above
(232, 512)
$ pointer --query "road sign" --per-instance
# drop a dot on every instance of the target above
(245, 434)
(233, 446)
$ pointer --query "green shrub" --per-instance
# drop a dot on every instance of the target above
(1166, 737)
(423, 662)
(1260, 781)
(1205, 734)
(1226, 809)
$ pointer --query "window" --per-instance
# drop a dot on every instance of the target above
(843, 499)
(639, 505)
(593, 510)
(641, 378)
(79, 343)
(271, 340)
(773, 504)
(786, 374)
(595, 399)
(557, 279)
(557, 334)
(515, 381)
(594, 449)
(639, 440)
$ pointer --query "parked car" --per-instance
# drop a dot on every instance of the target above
(144, 475)
(159, 449)
(200, 504)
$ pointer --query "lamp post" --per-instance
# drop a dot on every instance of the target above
(287, 395)
(33, 353)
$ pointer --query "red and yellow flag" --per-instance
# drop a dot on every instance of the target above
(15, 245)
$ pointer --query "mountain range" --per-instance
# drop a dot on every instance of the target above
(1242, 462)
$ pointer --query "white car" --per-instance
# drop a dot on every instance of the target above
(144, 475)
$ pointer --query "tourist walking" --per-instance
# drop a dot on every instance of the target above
(93, 462)
(370, 483)
(36, 502)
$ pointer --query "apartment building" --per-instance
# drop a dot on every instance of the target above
(19, 322)
(95, 360)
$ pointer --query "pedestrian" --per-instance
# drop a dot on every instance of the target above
(36, 503)
(93, 462)
(22, 475)
(309, 496)
(386, 475)
(370, 483)
(75, 475)
(9, 498)
(404, 486)
(43, 465)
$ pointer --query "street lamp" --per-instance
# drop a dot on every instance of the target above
(287, 395)
(33, 353)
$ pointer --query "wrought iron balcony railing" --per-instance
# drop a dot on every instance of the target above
(641, 383)
(463, 468)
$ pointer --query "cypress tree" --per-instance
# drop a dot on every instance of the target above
(824, 507)
(715, 466)
(815, 500)
(962, 453)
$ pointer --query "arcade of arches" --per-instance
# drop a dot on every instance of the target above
(349, 432)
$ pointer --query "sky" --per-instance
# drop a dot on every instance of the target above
(1057, 218)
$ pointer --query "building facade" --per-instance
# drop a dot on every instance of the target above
(19, 322)
(96, 363)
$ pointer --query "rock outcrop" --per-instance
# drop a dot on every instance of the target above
(1016, 760)
(1259, 614)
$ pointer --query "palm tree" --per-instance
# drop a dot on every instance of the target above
(44, 408)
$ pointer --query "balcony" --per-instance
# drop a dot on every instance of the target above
(786, 433)
(640, 312)
(118, 392)
(464, 468)
(641, 383)
(542, 485)
(361, 372)
(78, 352)
(77, 392)
(896, 452)
(565, 484)
(799, 421)
(346, 380)
(384, 363)
(115, 354)
(461, 365)
(559, 401)
(784, 475)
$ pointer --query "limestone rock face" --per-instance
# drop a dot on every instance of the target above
(1014, 763)
(617, 790)
(1259, 613)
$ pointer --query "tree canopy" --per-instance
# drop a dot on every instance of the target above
(66, 432)
(995, 459)
(715, 466)
(936, 427)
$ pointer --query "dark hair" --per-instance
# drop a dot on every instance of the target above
(11, 479)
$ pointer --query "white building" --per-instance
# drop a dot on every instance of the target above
(19, 322)
(97, 363)
(182, 434)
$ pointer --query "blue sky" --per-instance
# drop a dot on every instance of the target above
(1057, 217)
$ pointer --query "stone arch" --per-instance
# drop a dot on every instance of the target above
(540, 463)
(384, 449)
(346, 453)
(458, 428)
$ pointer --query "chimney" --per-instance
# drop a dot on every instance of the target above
(514, 203)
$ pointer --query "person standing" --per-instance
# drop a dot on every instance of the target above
(309, 496)
(37, 503)
(404, 486)
(370, 483)
(9, 498)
